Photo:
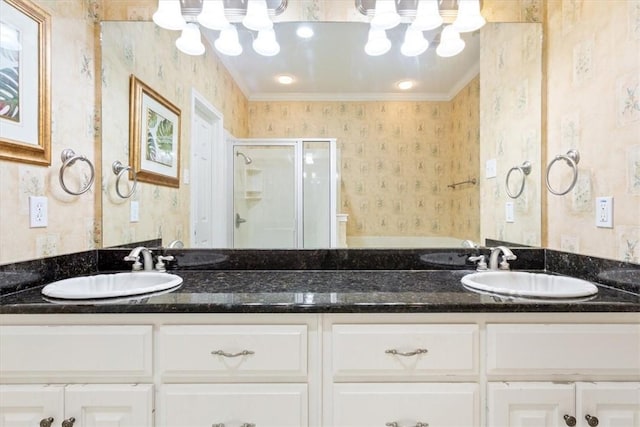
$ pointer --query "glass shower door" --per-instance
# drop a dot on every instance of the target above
(264, 190)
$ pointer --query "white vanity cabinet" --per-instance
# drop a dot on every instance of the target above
(547, 404)
(82, 405)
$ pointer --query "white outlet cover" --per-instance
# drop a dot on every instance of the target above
(38, 211)
(491, 168)
(604, 212)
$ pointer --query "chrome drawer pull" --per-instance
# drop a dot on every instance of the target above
(395, 424)
(225, 354)
(46, 422)
(68, 422)
(592, 421)
(409, 353)
(570, 421)
(217, 425)
(247, 425)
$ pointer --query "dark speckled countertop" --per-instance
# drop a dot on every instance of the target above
(325, 281)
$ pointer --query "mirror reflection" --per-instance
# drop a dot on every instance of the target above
(396, 154)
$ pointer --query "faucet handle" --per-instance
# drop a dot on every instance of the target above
(504, 264)
(137, 265)
(160, 265)
(482, 262)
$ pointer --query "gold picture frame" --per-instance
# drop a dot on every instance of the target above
(25, 83)
(154, 136)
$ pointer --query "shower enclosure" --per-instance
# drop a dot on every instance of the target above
(284, 193)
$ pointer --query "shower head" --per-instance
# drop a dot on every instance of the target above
(247, 159)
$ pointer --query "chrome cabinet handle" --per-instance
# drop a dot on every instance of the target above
(569, 420)
(395, 424)
(217, 425)
(225, 354)
(68, 422)
(592, 421)
(247, 425)
(46, 422)
(408, 353)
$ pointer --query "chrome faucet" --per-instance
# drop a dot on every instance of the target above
(134, 256)
(507, 256)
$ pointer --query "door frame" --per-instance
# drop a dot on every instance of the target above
(201, 107)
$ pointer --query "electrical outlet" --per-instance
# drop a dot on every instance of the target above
(135, 211)
(37, 211)
(604, 212)
(491, 168)
(508, 211)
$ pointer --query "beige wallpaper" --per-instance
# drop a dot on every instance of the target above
(70, 218)
(510, 112)
(164, 211)
(594, 106)
(397, 159)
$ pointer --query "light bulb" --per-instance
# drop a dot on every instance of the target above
(169, 15)
(469, 17)
(228, 43)
(451, 43)
(190, 42)
(378, 43)
(212, 15)
(266, 44)
(414, 42)
(385, 15)
(257, 17)
(427, 15)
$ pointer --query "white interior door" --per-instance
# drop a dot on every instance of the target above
(265, 195)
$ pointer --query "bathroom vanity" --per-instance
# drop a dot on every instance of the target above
(341, 340)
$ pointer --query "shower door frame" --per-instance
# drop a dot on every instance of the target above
(298, 145)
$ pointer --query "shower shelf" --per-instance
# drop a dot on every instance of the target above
(254, 184)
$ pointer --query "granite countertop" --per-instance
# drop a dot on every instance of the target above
(319, 291)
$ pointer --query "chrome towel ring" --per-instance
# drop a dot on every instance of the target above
(524, 169)
(119, 169)
(69, 157)
(572, 158)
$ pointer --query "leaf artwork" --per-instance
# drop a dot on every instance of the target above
(10, 84)
(159, 144)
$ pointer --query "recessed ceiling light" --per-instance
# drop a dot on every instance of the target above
(304, 32)
(405, 84)
(285, 80)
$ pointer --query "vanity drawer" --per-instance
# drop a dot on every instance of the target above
(407, 404)
(207, 405)
(563, 349)
(232, 352)
(405, 351)
(50, 353)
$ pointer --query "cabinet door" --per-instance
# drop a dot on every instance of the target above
(107, 405)
(233, 405)
(613, 404)
(405, 404)
(530, 404)
(29, 405)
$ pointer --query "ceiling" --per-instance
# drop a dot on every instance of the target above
(332, 65)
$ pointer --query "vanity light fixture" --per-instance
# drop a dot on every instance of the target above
(221, 15)
(377, 43)
(284, 79)
(422, 15)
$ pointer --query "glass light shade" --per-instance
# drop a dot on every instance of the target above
(469, 17)
(228, 43)
(266, 44)
(9, 38)
(427, 15)
(212, 15)
(169, 15)
(414, 42)
(385, 15)
(257, 17)
(451, 43)
(189, 42)
(378, 43)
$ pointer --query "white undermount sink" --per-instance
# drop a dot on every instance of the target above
(528, 285)
(111, 285)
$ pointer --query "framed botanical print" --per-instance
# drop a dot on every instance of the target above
(25, 74)
(154, 136)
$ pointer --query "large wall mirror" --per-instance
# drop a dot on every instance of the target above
(412, 167)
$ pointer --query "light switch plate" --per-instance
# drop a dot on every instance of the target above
(604, 212)
(508, 212)
(135, 211)
(491, 168)
(38, 217)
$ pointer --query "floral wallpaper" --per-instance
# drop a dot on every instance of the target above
(397, 159)
(594, 107)
(71, 219)
(510, 123)
(164, 211)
